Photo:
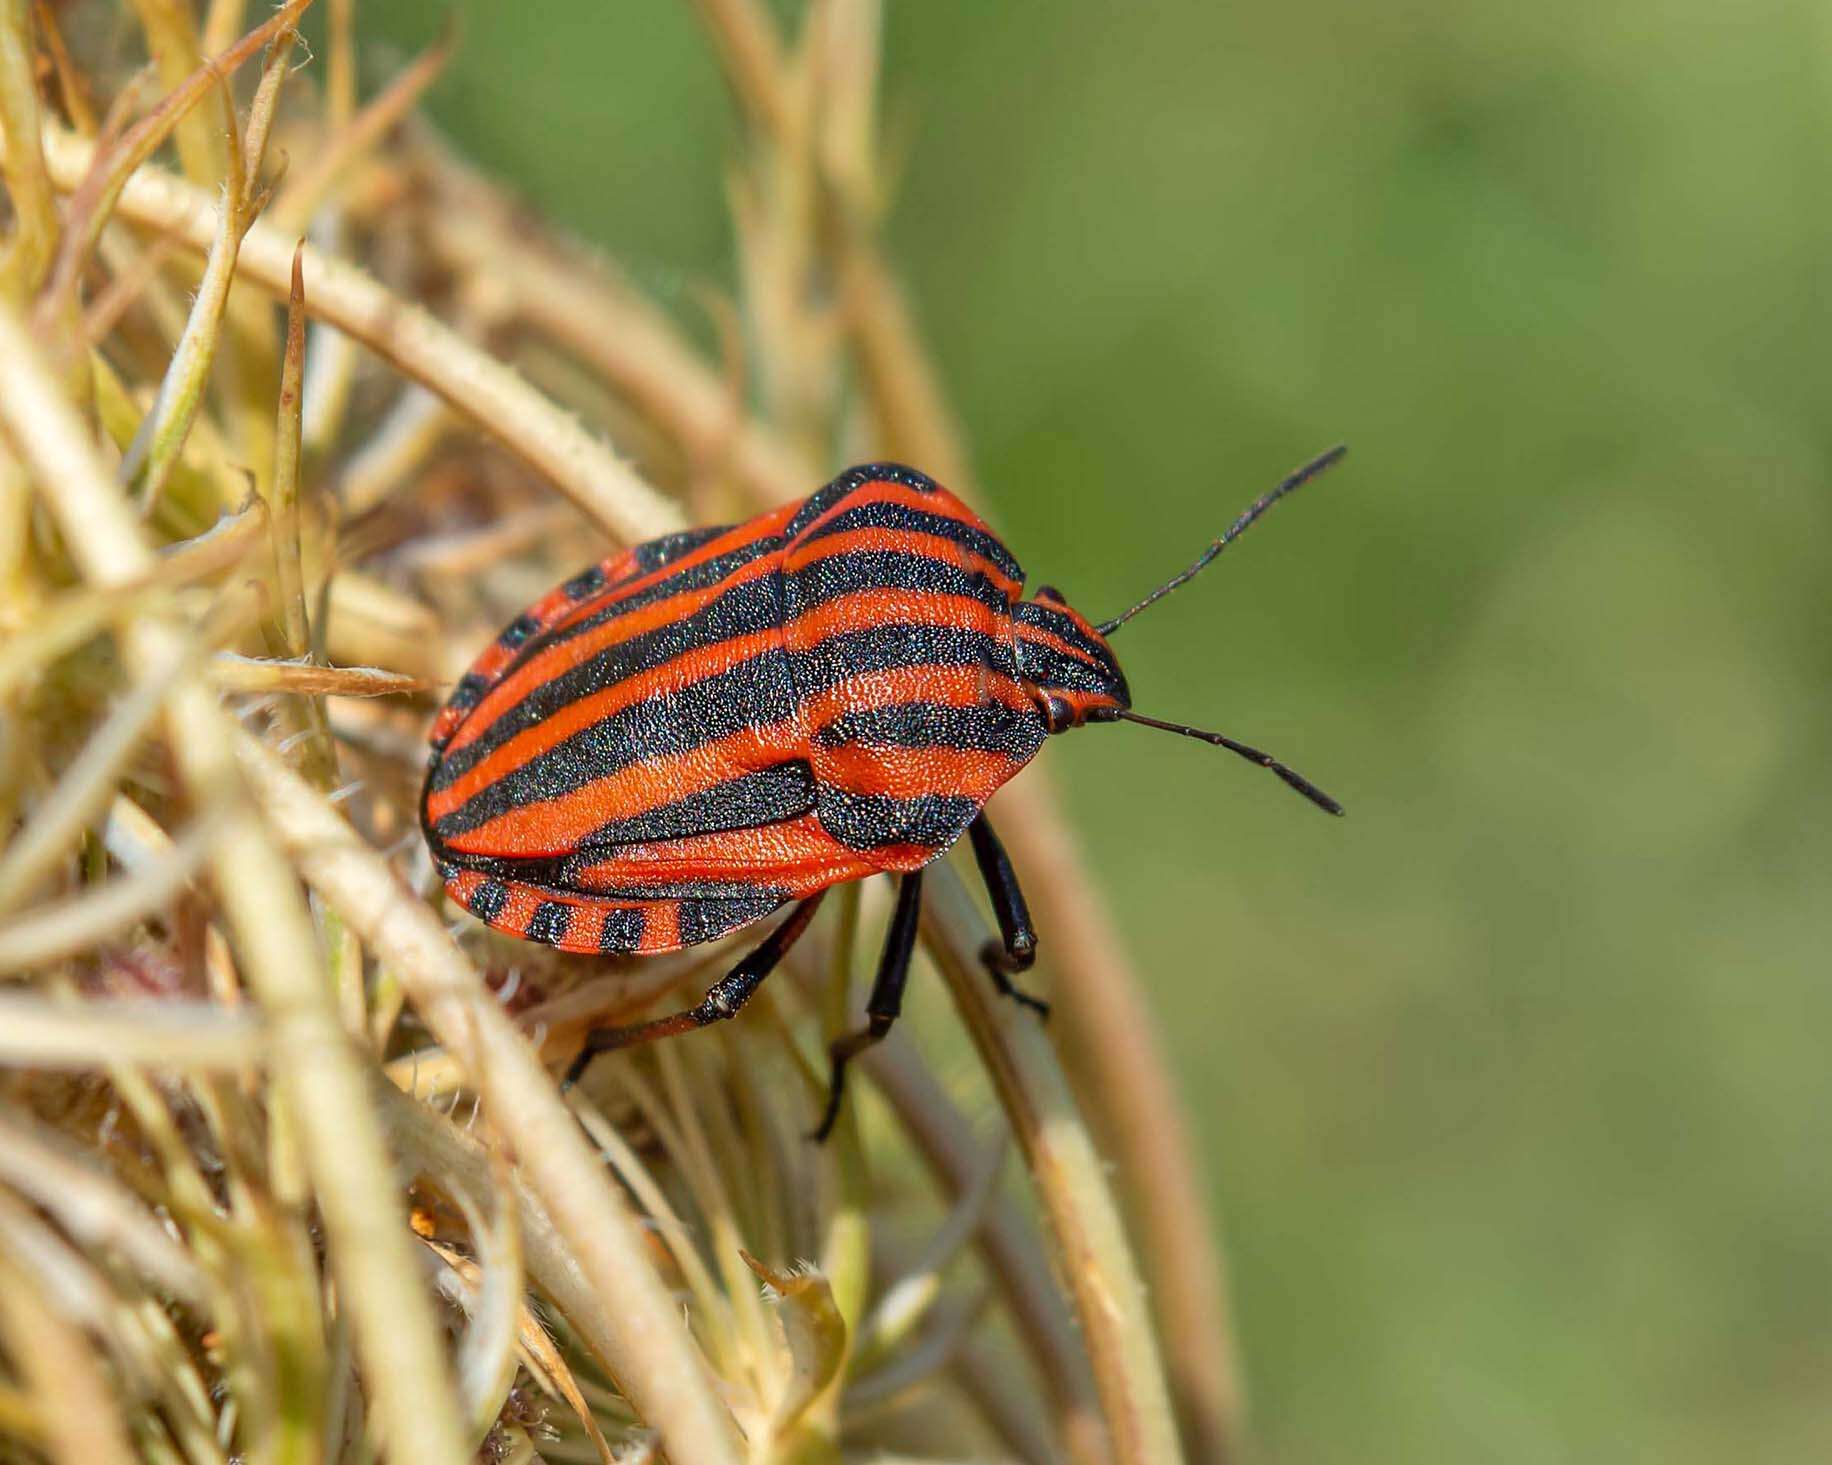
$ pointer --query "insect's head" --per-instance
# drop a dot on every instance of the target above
(1068, 665)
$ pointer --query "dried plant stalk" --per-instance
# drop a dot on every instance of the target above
(75, 1415)
(38, 1033)
(1094, 1260)
(35, 227)
(321, 1081)
(637, 1329)
(410, 340)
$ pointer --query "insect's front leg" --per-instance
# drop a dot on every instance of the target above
(1016, 948)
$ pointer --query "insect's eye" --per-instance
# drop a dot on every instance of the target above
(1050, 594)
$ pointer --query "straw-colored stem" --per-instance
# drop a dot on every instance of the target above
(28, 185)
(752, 52)
(844, 46)
(1004, 1238)
(94, 1209)
(347, 142)
(1071, 1178)
(913, 418)
(319, 1077)
(393, 450)
(235, 673)
(94, 198)
(171, 35)
(411, 340)
(162, 436)
(72, 88)
(846, 1248)
(222, 19)
(283, 502)
(52, 933)
(628, 341)
(1111, 1047)
(640, 1333)
(39, 1033)
(75, 1399)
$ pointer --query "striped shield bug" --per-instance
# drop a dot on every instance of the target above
(700, 730)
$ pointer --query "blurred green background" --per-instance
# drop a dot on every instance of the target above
(1513, 1084)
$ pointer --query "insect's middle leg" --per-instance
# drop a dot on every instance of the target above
(1016, 948)
(722, 1000)
(886, 1000)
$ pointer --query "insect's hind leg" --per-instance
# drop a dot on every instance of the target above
(885, 1002)
(1016, 948)
(722, 1000)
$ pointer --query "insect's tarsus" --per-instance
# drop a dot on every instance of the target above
(1233, 532)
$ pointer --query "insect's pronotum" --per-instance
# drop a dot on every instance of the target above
(705, 728)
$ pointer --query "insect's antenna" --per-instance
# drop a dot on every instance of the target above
(1234, 531)
(1253, 755)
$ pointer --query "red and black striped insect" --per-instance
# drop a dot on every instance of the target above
(708, 727)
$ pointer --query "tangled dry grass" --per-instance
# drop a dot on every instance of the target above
(284, 1172)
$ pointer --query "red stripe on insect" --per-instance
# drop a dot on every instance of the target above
(946, 686)
(557, 826)
(903, 541)
(910, 773)
(883, 491)
(864, 610)
(695, 666)
(799, 854)
(563, 656)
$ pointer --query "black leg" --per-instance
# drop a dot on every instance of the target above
(1016, 948)
(886, 999)
(722, 1000)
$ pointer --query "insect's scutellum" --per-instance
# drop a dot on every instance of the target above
(704, 729)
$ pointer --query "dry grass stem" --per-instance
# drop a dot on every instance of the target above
(630, 342)
(307, 189)
(639, 1333)
(1112, 1049)
(34, 231)
(1094, 1260)
(234, 673)
(112, 165)
(317, 1071)
(67, 928)
(412, 341)
(156, 446)
(93, 1208)
(75, 1418)
(35, 1033)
